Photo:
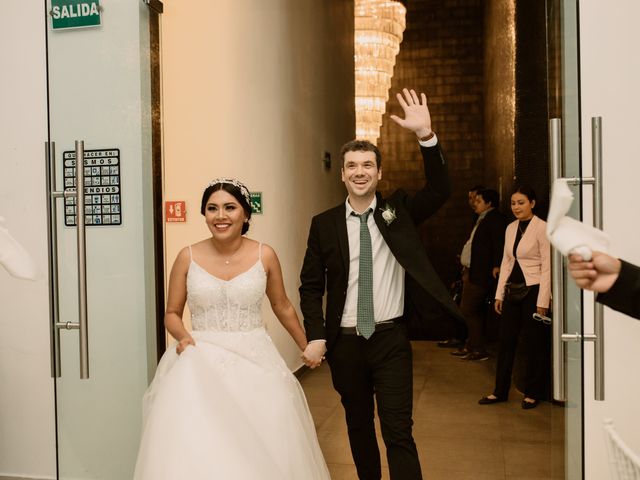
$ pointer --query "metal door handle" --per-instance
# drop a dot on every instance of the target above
(56, 324)
(82, 262)
(559, 335)
(52, 224)
(557, 273)
(598, 313)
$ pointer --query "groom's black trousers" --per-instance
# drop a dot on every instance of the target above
(382, 366)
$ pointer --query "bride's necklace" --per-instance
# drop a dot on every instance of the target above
(229, 258)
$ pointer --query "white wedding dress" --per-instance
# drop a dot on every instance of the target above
(228, 408)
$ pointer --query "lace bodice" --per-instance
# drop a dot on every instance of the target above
(226, 305)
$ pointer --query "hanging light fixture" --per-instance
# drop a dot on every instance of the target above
(378, 32)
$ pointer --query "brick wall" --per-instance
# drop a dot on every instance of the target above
(532, 106)
(483, 66)
(441, 55)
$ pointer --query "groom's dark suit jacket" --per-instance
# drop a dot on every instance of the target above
(326, 262)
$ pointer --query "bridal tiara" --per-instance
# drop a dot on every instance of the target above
(232, 181)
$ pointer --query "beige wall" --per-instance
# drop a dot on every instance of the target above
(257, 90)
(610, 73)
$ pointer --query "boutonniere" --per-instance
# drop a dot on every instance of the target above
(388, 214)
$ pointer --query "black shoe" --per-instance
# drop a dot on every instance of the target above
(490, 401)
(461, 352)
(451, 343)
(476, 356)
(529, 405)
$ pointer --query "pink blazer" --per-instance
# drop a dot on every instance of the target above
(534, 256)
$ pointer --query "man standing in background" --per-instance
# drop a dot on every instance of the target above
(480, 258)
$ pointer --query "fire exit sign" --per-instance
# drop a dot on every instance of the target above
(256, 202)
(75, 13)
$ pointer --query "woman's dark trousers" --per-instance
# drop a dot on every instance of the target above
(517, 323)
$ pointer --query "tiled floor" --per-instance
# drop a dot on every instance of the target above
(457, 438)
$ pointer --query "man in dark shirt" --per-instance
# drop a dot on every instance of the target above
(480, 259)
(459, 336)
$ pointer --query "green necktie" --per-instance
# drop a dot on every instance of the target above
(365, 320)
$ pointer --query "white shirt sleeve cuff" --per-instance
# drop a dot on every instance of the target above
(432, 142)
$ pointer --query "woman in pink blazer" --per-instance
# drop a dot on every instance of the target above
(524, 289)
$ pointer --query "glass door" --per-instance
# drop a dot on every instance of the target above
(565, 154)
(101, 239)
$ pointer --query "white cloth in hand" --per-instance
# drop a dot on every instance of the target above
(315, 351)
(15, 258)
(567, 234)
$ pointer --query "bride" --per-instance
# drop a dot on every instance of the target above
(223, 404)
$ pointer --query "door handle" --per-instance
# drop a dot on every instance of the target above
(557, 274)
(598, 313)
(52, 240)
(559, 335)
(81, 231)
(56, 324)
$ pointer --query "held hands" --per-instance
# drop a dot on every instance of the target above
(495, 273)
(597, 275)
(182, 344)
(416, 113)
(313, 355)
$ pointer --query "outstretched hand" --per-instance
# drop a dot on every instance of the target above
(597, 275)
(416, 113)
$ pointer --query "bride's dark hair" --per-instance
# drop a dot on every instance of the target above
(232, 190)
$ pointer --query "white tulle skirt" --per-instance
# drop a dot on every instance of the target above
(227, 409)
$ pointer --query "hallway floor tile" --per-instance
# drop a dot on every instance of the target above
(457, 439)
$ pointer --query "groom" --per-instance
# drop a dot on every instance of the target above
(366, 255)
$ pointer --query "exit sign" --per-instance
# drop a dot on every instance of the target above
(75, 13)
(256, 202)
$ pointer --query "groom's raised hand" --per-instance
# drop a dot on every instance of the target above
(416, 113)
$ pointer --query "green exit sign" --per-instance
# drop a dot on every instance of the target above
(256, 202)
(75, 13)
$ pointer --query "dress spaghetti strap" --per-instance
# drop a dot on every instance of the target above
(260, 251)
(190, 254)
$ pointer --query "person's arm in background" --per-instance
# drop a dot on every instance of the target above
(497, 243)
(505, 270)
(616, 282)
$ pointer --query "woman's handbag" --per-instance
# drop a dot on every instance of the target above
(515, 292)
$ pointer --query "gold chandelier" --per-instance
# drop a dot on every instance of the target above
(378, 32)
